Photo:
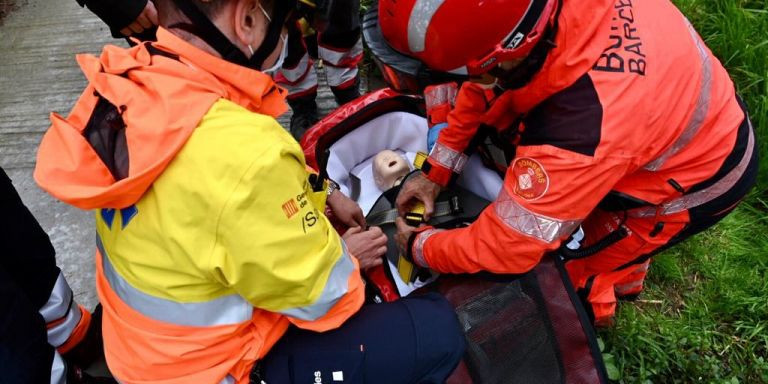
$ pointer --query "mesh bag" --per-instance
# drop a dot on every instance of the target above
(524, 329)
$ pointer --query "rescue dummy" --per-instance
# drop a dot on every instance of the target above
(215, 262)
(389, 169)
(615, 115)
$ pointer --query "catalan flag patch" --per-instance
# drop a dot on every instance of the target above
(290, 208)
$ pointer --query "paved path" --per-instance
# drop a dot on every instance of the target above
(38, 74)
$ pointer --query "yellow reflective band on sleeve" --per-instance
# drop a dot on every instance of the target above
(224, 310)
(335, 288)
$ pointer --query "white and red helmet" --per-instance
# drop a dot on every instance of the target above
(462, 37)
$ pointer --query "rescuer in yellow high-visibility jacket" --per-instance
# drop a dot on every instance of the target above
(211, 240)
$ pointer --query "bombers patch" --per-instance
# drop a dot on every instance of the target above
(531, 181)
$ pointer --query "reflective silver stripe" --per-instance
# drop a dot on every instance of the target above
(440, 94)
(308, 82)
(642, 268)
(338, 58)
(705, 195)
(418, 246)
(531, 224)
(700, 111)
(294, 74)
(60, 333)
(228, 380)
(58, 369)
(459, 71)
(59, 305)
(59, 301)
(339, 75)
(225, 310)
(448, 158)
(418, 23)
(335, 288)
(623, 289)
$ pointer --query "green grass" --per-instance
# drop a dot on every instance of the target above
(704, 314)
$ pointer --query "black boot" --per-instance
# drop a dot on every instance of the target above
(91, 348)
(346, 95)
(304, 114)
(76, 375)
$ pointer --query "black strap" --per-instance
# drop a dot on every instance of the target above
(532, 64)
(610, 239)
(529, 21)
(155, 51)
(282, 10)
(204, 28)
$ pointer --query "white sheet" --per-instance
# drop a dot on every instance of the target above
(405, 134)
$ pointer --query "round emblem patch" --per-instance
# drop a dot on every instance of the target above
(531, 181)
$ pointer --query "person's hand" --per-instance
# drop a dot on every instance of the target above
(404, 232)
(367, 246)
(146, 20)
(418, 188)
(346, 210)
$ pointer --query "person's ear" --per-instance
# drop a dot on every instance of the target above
(249, 26)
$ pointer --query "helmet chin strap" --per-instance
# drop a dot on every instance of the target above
(204, 28)
(523, 73)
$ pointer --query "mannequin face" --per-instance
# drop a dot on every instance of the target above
(388, 168)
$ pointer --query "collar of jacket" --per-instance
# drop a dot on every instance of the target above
(250, 89)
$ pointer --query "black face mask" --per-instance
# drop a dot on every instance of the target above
(204, 28)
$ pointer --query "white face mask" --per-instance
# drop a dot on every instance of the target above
(280, 59)
(283, 53)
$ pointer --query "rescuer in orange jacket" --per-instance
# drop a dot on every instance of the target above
(624, 123)
(215, 262)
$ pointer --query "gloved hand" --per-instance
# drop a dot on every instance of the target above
(439, 100)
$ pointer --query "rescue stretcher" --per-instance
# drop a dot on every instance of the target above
(526, 328)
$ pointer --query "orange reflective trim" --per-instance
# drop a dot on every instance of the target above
(79, 332)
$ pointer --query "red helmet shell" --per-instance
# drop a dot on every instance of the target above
(469, 36)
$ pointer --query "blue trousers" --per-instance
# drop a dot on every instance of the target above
(413, 340)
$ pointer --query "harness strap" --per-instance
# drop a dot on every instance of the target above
(442, 209)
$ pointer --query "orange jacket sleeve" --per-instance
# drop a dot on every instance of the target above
(547, 192)
(450, 152)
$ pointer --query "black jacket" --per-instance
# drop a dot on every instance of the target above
(117, 14)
